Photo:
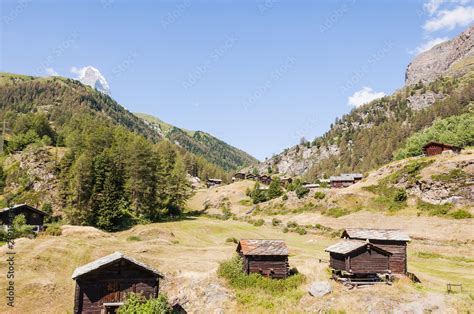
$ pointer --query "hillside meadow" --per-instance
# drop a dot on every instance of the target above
(189, 251)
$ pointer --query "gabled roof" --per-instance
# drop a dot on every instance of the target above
(341, 178)
(347, 246)
(17, 206)
(354, 175)
(440, 144)
(262, 247)
(107, 260)
(376, 234)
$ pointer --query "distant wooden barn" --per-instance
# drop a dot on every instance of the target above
(265, 179)
(341, 181)
(250, 176)
(266, 257)
(239, 176)
(33, 216)
(213, 182)
(393, 241)
(358, 258)
(102, 285)
(435, 148)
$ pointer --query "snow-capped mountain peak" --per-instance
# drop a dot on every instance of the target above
(91, 76)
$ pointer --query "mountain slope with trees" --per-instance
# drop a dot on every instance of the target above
(202, 144)
(368, 136)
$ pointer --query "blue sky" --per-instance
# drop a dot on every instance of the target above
(257, 74)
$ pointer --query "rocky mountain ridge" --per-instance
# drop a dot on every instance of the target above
(444, 58)
(367, 137)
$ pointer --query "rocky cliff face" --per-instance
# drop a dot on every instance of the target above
(454, 55)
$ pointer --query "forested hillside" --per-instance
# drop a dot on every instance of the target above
(368, 136)
(106, 167)
(203, 144)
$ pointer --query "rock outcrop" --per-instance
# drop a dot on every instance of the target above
(431, 64)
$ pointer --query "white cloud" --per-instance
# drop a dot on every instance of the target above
(51, 72)
(432, 6)
(450, 18)
(427, 45)
(363, 96)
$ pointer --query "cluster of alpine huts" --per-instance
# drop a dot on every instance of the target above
(364, 254)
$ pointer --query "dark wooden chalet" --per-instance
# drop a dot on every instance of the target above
(391, 240)
(435, 148)
(265, 179)
(33, 216)
(355, 257)
(213, 182)
(102, 285)
(240, 176)
(266, 257)
(341, 181)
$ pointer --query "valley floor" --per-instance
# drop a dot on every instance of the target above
(188, 252)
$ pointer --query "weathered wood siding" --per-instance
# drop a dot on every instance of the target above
(368, 261)
(436, 149)
(31, 217)
(398, 260)
(112, 284)
(337, 261)
(272, 266)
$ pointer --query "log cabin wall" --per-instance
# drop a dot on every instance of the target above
(398, 260)
(368, 261)
(32, 218)
(337, 261)
(273, 266)
(112, 284)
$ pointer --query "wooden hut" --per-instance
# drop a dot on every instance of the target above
(102, 285)
(33, 216)
(391, 240)
(239, 176)
(266, 257)
(356, 176)
(265, 179)
(213, 182)
(250, 176)
(436, 148)
(341, 181)
(355, 257)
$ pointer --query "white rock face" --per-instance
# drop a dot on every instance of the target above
(431, 64)
(92, 77)
(319, 288)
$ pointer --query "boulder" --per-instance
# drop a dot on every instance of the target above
(319, 288)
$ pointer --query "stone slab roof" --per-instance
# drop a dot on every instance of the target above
(262, 247)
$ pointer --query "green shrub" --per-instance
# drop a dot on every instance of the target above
(232, 271)
(301, 191)
(319, 195)
(137, 304)
(134, 238)
(20, 228)
(232, 240)
(301, 230)
(53, 229)
(291, 224)
(400, 196)
(433, 209)
(285, 197)
(461, 214)
(276, 222)
(336, 212)
(259, 222)
(285, 230)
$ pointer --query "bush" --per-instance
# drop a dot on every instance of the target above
(301, 230)
(319, 195)
(461, 214)
(232, 271)
(134, 238)
(285, 230)
(232, 240)
(276, 222)
(53, 229)
(285, 197)
(434, 210)
(291, 224)
(21, 229)
(259, 222)
(137, 304)
(400, 196)
(336, 212)
(301, 191)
